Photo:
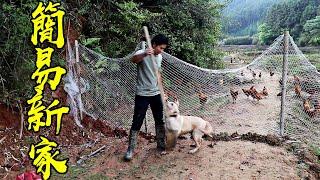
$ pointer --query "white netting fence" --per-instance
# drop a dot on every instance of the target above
(108, 87)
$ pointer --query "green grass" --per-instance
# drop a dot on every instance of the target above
(314, 58)
(249, 54)
(316, 149)
(288, 127)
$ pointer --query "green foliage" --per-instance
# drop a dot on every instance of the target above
(104, 64)
(290, 15)
(243, 40)
(271, 18)
(118, 24)
(112, 28)
(91, 42)
(316, 150)
(241, 17)
(311, 32)
(193, 26)
(266, 34)
(16, 53)
(314, 59)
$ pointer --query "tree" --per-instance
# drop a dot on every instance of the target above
(17, 58)
(117, 23)
(290, 15)
(241, 17)
(266, 34)
(193, 26)
(311, 33)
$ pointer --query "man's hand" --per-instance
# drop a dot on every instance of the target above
(139, 57)
(149, 51)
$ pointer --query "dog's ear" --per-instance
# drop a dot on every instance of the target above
(176, 101)
(165, 97)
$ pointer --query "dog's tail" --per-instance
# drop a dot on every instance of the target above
(208, 130)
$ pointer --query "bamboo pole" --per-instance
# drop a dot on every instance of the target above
(21, 118)
(284, 80)
(145, 125)
(155, 68)
(78, 78)
(143, 46)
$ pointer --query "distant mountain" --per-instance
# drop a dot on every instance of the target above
(300, 17)
(241, 17)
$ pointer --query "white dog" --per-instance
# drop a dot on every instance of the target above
(177, 125)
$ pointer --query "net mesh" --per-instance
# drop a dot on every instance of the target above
(107, 87)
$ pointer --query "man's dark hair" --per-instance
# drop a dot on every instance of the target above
(159, 40)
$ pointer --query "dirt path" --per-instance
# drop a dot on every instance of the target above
(232, 160)
(248, 115)
(225, 160)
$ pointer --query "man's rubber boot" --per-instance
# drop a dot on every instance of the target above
(160, 137)
(132, 144)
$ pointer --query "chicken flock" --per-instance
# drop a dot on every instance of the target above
(311, 104)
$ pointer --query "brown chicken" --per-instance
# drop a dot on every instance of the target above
(297, 90)
(247, 92)
(203, 98)
(296, 79)
(254, 74)
(234, 95)
(252, 91)
(306, 104)
(280, 82)
(271, 73)
(264, 91)
(257, 95)
(307, 108)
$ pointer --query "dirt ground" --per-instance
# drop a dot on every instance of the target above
(236, 159)
(248, 115)
(226, 160)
